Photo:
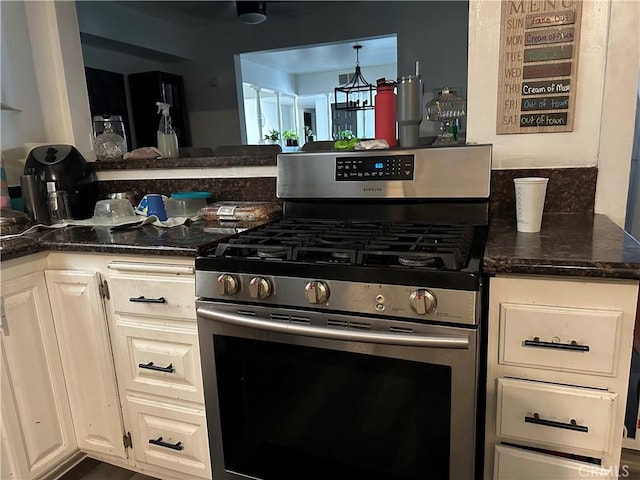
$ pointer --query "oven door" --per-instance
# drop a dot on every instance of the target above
(293, 394)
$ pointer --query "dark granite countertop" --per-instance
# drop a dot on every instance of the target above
(568, 244)
(222, 156)
(190, 241)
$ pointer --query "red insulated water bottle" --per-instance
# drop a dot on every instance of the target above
(385, 111)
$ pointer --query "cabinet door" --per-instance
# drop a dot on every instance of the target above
(37, 429)
(85, 347)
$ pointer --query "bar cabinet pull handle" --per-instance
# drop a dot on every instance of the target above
(414, 340)
(143, 299)
(150, 366)
(573, 425)
(573, 345)
(173, 446)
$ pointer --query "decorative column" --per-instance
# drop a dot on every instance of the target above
(259, 116)
(279, 110)
(329, 116)
(296, 116)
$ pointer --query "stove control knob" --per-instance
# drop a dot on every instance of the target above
(316, 292)
(227, 284)
(423, 302)
(259, 287)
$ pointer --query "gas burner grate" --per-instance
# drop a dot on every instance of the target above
(352, 242)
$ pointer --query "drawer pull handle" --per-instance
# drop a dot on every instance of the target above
(551, 423)
(173, 446)
(150, 366)
(573, 345)
(143, 299)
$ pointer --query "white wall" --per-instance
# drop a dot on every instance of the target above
(266, 77)
(607, 77)
(25, 125)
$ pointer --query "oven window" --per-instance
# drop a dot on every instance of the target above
(298, 412)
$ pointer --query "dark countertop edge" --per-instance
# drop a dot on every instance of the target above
(496, 265)
(199, 162)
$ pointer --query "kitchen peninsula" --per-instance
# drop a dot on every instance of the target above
(149, 298)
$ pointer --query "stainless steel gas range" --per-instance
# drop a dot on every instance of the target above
(342, 341)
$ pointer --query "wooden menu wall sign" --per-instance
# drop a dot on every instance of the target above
(538, 65)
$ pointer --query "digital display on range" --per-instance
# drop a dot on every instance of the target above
(389, 167)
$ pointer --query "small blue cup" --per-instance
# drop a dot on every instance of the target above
(155, 206)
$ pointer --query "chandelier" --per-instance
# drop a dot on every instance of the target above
(357, 94)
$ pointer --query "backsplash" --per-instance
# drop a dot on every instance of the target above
(258, 189)
(570, 190)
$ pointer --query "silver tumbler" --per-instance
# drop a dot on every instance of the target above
(409, 108)
(34, 196)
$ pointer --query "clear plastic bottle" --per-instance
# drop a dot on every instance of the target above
(167, 138)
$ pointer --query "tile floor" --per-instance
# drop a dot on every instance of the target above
(90, 469)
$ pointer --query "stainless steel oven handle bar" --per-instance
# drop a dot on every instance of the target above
(415, 340)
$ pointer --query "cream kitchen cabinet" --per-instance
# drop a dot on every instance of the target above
(100, 357)
(158, 363)
(37, 428)
(557, 373)
(76, 299)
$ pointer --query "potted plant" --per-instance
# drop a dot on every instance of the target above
(291, 138)
(308, 133)
(273, 136)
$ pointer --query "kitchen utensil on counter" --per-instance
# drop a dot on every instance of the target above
(66, 166)
(113, 210)
(33, 196)
(58, 204)
(184, 207)
(155, 206)
(133, 197)
(409, 109)
(109, 137)
(186, 204)
(13, 221)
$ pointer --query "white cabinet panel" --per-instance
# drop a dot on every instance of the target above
(170, 435)
(172, 297)
(559, 338)
(162, 362)
(84, 341)
(516, 464)
(37, 430)
(567, 418)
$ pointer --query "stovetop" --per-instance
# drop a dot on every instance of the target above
(395, 252)
(351, 242)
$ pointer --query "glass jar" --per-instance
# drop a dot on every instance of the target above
(447, 108)
(110, 139)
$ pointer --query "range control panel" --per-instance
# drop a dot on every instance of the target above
(388, 167)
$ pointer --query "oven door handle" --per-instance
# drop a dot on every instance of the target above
(413, 340)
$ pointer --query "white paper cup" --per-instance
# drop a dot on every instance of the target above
(530, 193)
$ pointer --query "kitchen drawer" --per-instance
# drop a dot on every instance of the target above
(161, 362)
(517, 464)
(555, 416)
(154, 296)
(169, 436)
(577, 340)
